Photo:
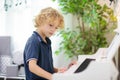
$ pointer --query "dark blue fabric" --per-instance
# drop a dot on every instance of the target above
(37, 49)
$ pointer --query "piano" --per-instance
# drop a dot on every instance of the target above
(99, 66)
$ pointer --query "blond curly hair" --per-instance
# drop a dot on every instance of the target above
(49, 15)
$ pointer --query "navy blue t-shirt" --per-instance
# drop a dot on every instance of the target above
(37, 49)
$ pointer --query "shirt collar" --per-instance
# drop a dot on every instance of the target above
(40, 38)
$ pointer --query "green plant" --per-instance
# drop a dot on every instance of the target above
(94, 22)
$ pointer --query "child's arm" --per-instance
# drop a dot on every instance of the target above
(60, 70)
(34, 68)
(55, 70)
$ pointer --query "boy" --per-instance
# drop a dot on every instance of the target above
(38, 60)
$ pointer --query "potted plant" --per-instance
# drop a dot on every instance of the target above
(94, 21)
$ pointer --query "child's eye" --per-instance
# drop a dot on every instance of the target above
(50, 25)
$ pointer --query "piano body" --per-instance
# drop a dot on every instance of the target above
(99, 66)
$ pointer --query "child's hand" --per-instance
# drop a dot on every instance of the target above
(72, 63)
(62, 70)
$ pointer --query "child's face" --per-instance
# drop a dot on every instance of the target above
(49, 29)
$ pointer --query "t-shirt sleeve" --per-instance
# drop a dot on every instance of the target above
(32, 51)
